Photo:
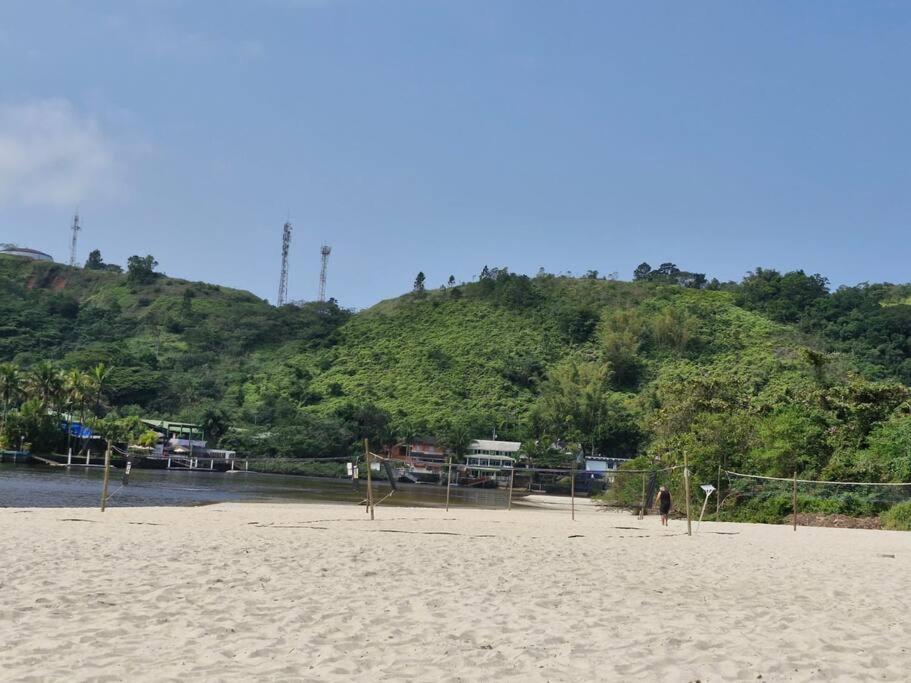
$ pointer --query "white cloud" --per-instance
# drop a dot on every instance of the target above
(52, 155)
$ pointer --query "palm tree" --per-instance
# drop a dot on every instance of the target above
(214, 423)
(10, 387)
(457, 438)
(99, 375)
(45, 383)
(75, 390)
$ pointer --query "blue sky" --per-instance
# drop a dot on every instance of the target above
(443, 135)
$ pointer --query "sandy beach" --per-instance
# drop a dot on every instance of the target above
(319, 592)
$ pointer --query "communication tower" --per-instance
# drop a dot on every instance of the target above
(75, 228)
(283, 281)
(325, 250)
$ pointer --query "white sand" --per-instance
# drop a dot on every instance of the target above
(318, 592)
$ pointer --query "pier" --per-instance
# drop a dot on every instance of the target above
(211, 463)
(222, 462)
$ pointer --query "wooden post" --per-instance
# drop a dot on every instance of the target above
(69, 456)
(686, 493)
(107, 470)
(512, 477)
(718, 497)
(794, 500)
(369, 478)
(448, 482)
(572, 487)
(642, 506)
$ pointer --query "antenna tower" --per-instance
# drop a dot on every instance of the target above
(75, 228)
(283, 282)
(325, 250)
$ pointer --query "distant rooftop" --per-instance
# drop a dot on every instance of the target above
(170, 426)
(488, 445)
(13, 250)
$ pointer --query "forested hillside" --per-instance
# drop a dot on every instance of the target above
(773, 374)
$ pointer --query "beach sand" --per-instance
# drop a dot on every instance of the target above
(319, 592)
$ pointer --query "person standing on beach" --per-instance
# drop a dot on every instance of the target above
(664, 504)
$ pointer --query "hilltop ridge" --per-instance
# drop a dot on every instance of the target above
(775, 368)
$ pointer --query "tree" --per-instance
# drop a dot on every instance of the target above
(673, 329)
(642, 271)
(457, 438)
(574, 404)
(669, 274)
(888, 454)
(99, 376)
(74, 394)
(214, 423)
(791, 439)
(45, 384)
(10, 386)
(541, 452)
(665, 271)
(419, 289)
(451, 281)
(622, 333)
(782, 297)
(367, 421)
(141, 269)
(125, 430)
(577, 322)
(94, 261)
(148, 439)
(31, 424)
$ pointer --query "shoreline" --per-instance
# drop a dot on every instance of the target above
(239, 591)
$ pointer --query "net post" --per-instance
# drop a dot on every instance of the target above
(572, 488)
(107, 474)
(686, 493)
(448, 482)
(718, 497)
(794, 500)
(512, 476)
(642, 505)
(369, 478)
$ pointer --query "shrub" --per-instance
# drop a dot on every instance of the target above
(777, 508)
(898, 517)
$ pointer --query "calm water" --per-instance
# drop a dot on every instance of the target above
(40, 486)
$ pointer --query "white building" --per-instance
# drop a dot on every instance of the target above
(24, 252)
(599, 463)
(488, 454)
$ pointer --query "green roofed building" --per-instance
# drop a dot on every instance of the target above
(178, 436)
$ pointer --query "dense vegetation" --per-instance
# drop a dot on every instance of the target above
(775, 374)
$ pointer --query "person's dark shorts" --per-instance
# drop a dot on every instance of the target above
(664, 509)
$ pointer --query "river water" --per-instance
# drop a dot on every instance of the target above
(42, 486)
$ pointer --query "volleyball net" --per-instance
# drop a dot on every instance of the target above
(637, 490)
(755, 498)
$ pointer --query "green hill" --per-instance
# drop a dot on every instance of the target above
(775, 373)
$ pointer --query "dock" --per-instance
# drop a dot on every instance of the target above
(204, 463)
(192, 462)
